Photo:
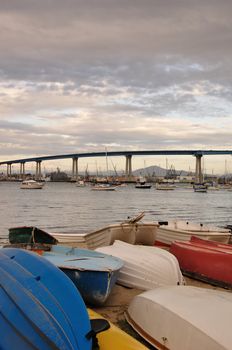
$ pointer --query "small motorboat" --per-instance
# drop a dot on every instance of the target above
(200, 187)
(145, 267)
(39, 306)
(183, 317)
(141, 183)
(31, 185)
(93, 273)
(177, 230)
(30, 235)
(103, 187)
(164, 187)
(205, 260)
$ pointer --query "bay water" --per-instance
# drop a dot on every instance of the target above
(64, 207)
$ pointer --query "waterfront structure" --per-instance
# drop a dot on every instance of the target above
(128, 154)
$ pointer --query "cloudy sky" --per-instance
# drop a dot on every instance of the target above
(85, 75)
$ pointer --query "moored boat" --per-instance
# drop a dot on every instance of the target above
(205, 260)
(145, 267)
(142, 184)
(177, 230)
(200, 187)
(103, 187)
(31, 184)
(164, 187)
(40, 307)
(93, 273)
(183, 317)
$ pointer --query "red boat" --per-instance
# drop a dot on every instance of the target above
(205, 260)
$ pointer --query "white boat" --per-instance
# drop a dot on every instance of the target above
(183, 318)
(130, 231)
(31, 184)
(144, 267)
(164, 187)
(200, 188)
(103, 187)
(141, 183)
(177, 230)
(80, 183)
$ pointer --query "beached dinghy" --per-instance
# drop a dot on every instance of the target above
(94, 274)
(182, 317)
(40, 307)
(132, 231)
(144, 267)
(170, 231)
(205, 260)
(30, 235)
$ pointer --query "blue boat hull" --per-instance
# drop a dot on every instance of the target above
(39, 307)
(95, 287)
(93, 273)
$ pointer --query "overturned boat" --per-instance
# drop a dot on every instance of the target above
(183, 317)
(205, 260)
(144, 267)
(39, 306)
(93, 273)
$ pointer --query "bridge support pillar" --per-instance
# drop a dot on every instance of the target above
(129, 166)
(38, 170)
(9, 171)
(75, 169)
(22, 170)
(198, 173)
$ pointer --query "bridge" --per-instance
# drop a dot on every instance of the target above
(127, 154)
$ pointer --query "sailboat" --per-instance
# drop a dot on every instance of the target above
(105, 186)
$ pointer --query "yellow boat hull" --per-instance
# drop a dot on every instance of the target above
(114, 338)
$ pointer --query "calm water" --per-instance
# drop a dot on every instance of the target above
(63, 207)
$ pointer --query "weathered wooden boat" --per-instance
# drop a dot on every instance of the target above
(145, 267)
(30, 234)
(39, 306)
(183, 317)
(93, 273)
(114, 338)
(205, 260)
(177, 230)
(131, 231)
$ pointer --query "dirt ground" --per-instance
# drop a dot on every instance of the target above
(120, 299)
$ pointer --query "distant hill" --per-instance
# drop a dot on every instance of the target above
(155, 170)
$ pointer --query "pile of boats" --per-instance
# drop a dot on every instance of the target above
(47, 285)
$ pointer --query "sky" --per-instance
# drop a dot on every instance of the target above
(89, 75)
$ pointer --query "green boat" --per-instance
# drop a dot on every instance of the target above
(30, 235)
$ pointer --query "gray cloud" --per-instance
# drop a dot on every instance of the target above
(137, 74)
